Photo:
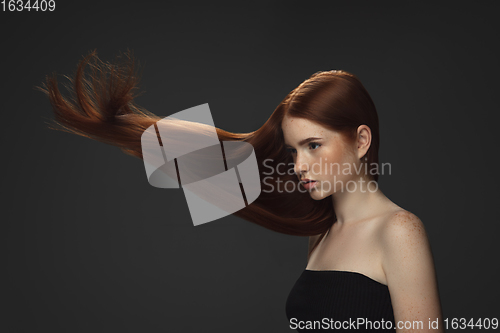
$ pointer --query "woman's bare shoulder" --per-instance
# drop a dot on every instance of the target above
(401, 227)
(397, 223)
(408, 266)
(401, 220)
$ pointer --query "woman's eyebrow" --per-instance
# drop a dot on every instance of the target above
(303, 142)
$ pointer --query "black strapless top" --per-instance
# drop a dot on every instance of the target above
(321, 299)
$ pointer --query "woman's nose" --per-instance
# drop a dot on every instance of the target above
(300, 167)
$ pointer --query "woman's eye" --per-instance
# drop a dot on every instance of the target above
(314, 144)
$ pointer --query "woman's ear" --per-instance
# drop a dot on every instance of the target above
(364, 140)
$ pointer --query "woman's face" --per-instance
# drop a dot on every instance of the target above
(321, 158)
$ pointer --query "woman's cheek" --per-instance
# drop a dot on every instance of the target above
(331, 165)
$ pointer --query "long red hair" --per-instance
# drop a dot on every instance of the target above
(101, 107)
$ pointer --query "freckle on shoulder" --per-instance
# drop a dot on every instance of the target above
(403, 222)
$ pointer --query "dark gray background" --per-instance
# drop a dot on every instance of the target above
(90, 246)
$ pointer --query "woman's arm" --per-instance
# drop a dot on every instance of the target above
(409, 269)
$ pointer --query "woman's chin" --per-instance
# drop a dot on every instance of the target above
(317, 194)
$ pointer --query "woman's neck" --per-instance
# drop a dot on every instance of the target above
(362, 202)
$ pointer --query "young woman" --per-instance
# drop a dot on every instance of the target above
(369, 266)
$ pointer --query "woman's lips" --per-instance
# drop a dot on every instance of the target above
(309, 185)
